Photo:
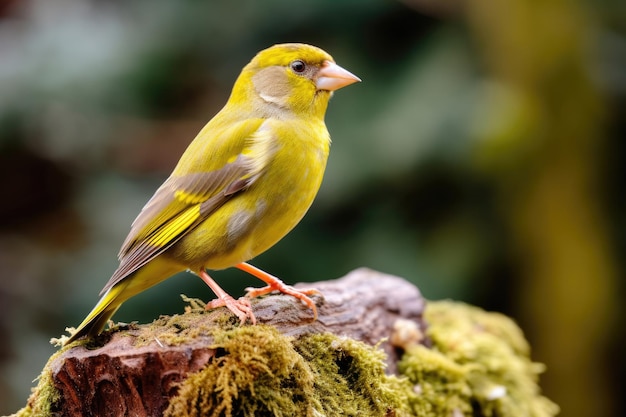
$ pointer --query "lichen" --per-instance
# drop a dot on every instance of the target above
(479, 365)
(260, 372)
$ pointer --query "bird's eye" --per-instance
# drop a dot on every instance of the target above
(298, 66)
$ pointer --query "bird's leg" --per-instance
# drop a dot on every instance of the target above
(241, 307)
(275, 284)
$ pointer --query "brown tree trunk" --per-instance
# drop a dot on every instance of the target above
(135, 371)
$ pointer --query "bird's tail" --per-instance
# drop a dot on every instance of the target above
(101, 313)
(145, 277)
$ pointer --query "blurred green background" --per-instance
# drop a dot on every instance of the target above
(482, 158)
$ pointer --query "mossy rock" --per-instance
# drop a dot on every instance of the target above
(478, 365)
(259, 372)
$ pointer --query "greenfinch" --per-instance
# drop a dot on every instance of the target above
(243, 183)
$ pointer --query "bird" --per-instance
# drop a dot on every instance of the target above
(242, 184)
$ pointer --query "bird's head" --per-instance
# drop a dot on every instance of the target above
(291, 77)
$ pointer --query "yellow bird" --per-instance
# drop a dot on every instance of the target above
(243, 183)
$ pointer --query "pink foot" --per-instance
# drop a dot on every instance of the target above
(275, 284)
(240, 308)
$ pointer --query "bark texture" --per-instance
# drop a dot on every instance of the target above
(135, 371)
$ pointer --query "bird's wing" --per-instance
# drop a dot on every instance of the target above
(185, 200)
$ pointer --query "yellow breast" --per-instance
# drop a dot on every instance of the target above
(258, 217)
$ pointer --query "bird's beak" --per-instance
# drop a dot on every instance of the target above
(332, 77)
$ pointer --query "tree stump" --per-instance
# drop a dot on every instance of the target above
(135, 371)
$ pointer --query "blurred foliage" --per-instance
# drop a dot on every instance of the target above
(482, 158)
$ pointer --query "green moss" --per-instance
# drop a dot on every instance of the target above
(195, 324)
(24, 412)
(44, 396)
(259, 372)
(479, 365)
(350, 377)
(254, 371)
(439, 383)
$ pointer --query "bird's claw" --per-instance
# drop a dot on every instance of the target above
(240, 307)
(302, 295)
